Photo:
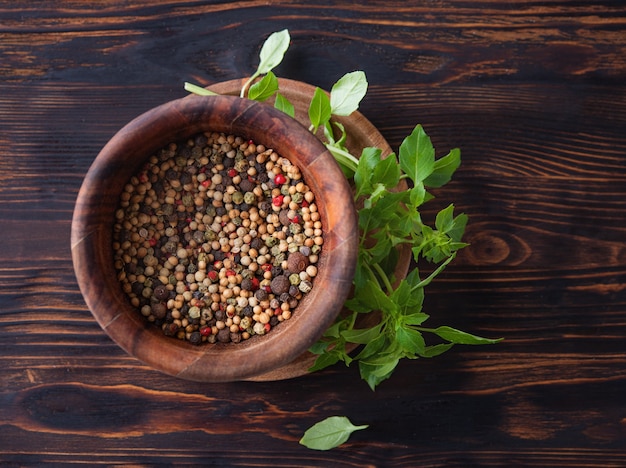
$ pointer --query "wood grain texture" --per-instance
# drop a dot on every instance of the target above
(532, 92)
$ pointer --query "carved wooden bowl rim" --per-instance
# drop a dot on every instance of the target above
(92, 253)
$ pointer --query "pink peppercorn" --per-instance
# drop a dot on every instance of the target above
(280, 179)
(278, 200)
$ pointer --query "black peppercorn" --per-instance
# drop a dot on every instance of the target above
(223, 336)
(195, 338)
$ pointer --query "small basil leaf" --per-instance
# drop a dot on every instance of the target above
(460, 337)
(387, 172)
(319, 109)
(361, 335)
(264, 88)
(284, 105)
(443, 169)
(370, 157)
(411, 341)
(436, 350)
(417, 155)
(273, 51)
(329, 433)
(324, 360)
(346, 94)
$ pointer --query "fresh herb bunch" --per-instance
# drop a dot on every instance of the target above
(388, 219)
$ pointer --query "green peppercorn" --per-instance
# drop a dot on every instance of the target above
(237, 198)
(194, 312)
(249, 198)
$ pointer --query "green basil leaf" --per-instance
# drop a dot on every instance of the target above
(374, 296)
(388, 203)
(387, 172)
(417, 155)
(324, 360)
(319, 347)
(417, 318)
(273, 51)
(347, 93)
(411, 341)
(408, 300)
(443, 169)
(361, 335)
(319, 109)
(329, 433)
(264, 88)
(436, 350)
(381, 248)
(418, 195)
(458, 228)
(375, 373)
(284, 105)
(389, 263)
(445, 219)
(370, 157)
(460, 337)
(372, 348)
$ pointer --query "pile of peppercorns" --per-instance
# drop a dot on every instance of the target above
(216, 239)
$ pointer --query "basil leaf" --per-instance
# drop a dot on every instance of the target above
(411, 341)
(460, 337)
(374, 296)
(370, 157)
(319, 109)
(324, 360)
(415, 319)
(362, 335)
(458, 228)
(418, 195)
(284, 105)
(417, 155)
(387, 172)
(436, 350)
(408, 301)
(263, 89)
(273, 51)
(346, 94)
(375, 373)
(443, 169)
(329, 433)
(445, 219)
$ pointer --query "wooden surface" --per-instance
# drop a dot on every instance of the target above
(533, 93)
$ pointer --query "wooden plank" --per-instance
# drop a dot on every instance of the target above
(534, 95)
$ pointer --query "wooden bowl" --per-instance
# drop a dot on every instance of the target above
(92, 230)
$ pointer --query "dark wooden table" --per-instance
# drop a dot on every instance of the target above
(534, 93)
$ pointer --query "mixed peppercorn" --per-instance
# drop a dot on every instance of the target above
(216, 239)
